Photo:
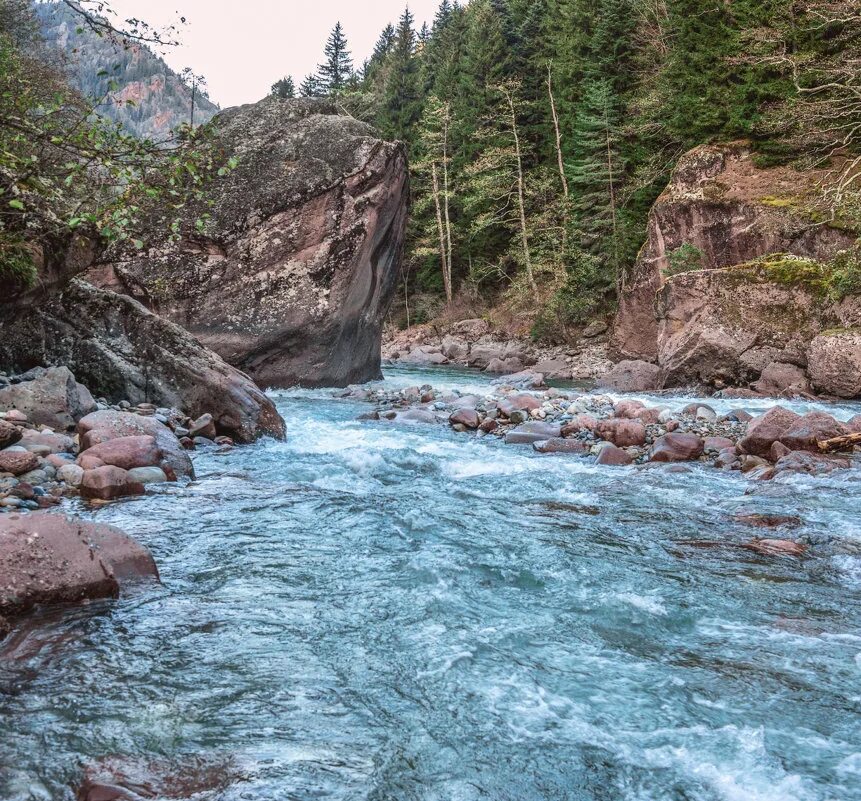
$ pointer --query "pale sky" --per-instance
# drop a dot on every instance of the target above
(244, 46)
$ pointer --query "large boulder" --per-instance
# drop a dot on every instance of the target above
(709, 322)
(719, 210)
(108, 426)
(122, 351)
(292, 276)
(763, 431)
(834, 363)
(49, 559)
(632, 376)
(50, 397)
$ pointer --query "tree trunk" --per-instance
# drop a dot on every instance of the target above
(559, 159)
(619, 278)
(846, 443)
(445, 184)
(521, 201)
(446, 276)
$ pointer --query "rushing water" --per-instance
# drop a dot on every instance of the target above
(371, 611)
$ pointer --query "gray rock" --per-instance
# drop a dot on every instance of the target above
(147, 475)
(530, 433)
(51, 397)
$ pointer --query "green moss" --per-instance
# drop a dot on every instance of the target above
(779, 202)
(836, 332)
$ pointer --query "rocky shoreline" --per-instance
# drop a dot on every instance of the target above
(521, 410)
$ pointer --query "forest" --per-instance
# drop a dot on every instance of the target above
(542, 131)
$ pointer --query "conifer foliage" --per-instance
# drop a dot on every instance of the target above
(541, 132)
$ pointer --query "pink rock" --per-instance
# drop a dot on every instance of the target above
(622, 432)
(853, 426)
(519, 401)
(489, 426)
(718, 443)
(204, 426)
(629, 408)
(677, 448)
(559, 445)
(649, 417)
(810, 430)
(765, 430)
(611, 456)
(582, 422)
(125, 452)
(14, 416)
(465, 417)
(108, 483)
(778, 451)
(18, 462)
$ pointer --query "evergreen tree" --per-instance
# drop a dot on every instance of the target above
(284, 88)
(337, 69)
(312, 86)
(402, 101)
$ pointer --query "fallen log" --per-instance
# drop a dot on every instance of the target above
(838, 444)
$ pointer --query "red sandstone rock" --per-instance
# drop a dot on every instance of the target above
(811, 429)
(465, 417)
(124, 452)
(765, 430)
(18, 462)
(611, 456)
(559, 445)
(776, 547)
(677, 448)
(108, 483)
(622, 433)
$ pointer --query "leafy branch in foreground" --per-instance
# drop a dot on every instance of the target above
(66, 172)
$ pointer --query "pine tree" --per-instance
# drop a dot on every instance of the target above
(311, 86)
(285, 88)
(402, 99)
(336, 71)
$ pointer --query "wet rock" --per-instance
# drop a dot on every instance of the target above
(622, 433)
(415, 416)
(769, 520)
(677, 448)
(124, 452)
(612, 456)
(127, 779)
(50, 559)
(18, 462)
(853, 426)
(146, 475)
(765, 430)
(529, 433)
(811, 429)
(807, 463)
(776, 547)
(52, 398)
(107, 425)
(9, 434)
(108, 483)
(727, 459)
(466, 417)
(204, 426)
(632, 376)
(559, 445)
(489, 426)
(778, 451)
(518, 402)
(45, 443)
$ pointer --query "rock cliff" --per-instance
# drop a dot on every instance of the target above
(718, 211)
(291, 275)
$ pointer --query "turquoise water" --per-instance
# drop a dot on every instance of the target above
(395, 613)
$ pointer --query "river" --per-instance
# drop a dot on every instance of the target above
(399, 613)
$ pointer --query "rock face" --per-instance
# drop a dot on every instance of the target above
(719, 210)
(727, 326)
(835, 363)
(51, 398)
(122, 351)
(50, 559)
(293, 274)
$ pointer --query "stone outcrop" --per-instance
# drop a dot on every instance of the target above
(51, 397)
(834, 363)
(52, 559)
(726, 327)
(122, 351)
(718, 211)
(293, 273)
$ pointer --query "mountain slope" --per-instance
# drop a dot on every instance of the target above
(150, 99)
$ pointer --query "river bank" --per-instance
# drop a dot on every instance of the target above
(376, 609)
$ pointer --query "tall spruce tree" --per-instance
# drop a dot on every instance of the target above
(284, 88)
(335, 72)
(402, 102)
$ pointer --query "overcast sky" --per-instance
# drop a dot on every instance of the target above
(244, 46)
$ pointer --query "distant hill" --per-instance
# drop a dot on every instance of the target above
(151, 99)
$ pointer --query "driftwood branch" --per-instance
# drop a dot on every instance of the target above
(845, 443)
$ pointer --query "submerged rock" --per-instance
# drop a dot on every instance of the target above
(50, 559)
